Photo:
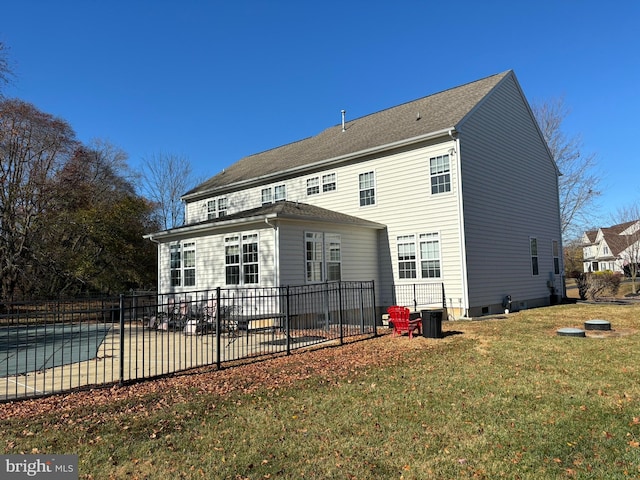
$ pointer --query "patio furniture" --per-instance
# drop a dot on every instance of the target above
(399, 318)
(204, 319)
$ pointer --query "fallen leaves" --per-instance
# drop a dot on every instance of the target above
(330, 364)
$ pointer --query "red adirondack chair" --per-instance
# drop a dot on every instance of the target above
(399, 318)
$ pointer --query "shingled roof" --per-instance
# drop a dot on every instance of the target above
(430, 114)
(283, 210)
(615, 239)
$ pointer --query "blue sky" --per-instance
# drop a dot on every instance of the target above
(215, 81)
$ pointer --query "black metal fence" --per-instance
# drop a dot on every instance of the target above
(50, 347)
(417, 295)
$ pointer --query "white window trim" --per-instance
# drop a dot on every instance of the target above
(313, 183)
(213, 208)
(375, 188)
(182, 248)
(269, 192)
(409, 240)
(416, 239)
(324, 241)
(322, 183)
(281, 198)
(240, 240)
(448, 172)
(334, 182)
(420, 238)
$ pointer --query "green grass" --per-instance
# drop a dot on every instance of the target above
(500, 398)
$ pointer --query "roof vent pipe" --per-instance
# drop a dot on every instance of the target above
(343, 112)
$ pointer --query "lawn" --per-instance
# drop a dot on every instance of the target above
(499, 398)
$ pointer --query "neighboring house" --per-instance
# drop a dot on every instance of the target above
(613, 248)
(457, 189)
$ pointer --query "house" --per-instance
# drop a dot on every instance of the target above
(455, 190)
(615, 248)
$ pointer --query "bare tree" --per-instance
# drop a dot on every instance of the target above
(579, 182)
(33, 147)
(5, 69)
(164, 179)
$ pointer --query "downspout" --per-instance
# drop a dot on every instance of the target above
(276, 253)
(461, 230)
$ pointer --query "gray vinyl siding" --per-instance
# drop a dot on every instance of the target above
(358, 251)
(509, 195)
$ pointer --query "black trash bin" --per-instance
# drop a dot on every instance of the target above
(431, 323)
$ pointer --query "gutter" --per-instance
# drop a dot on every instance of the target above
(201, 227)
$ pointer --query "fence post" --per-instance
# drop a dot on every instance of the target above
(121, 308)
(444, 300)
(361, 307)
(340, 312)
(375, 308)
(286, 321)
(218, 327)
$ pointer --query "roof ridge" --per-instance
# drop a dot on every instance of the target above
(389, 126)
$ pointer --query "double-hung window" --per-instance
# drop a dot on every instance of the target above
(250, 259)
(439, 170)
(182, 268)
(430, 255)
(189, 268)
(267, 196)
(555, 247)
(313, 186)
(175, 265)
(323, 257)
(329, 182)
(222, 207)
(313, 247)
(216, 208)
(333, 256)
(241, 259)
(407, 256)
(211, 209)
(422, 251)
(533, 247)
(279, 193)
(367, 186)
(275, 194)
